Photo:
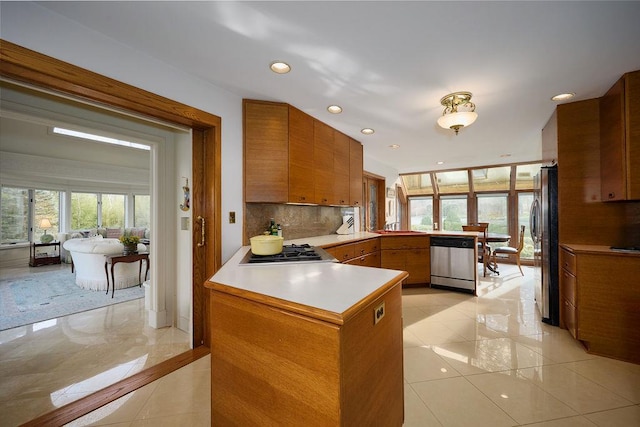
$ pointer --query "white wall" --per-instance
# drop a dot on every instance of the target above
(36, 28)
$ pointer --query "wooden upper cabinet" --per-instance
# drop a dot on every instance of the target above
(355, 173)
(290, 157)
(266, 151)
(323, 163)
(341, 163)
(301, 172)
(620, 140)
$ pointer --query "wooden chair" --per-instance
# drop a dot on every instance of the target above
(484, 251)
(508, 250)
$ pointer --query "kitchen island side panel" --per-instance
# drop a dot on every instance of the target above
(372, 354)
(270, 366)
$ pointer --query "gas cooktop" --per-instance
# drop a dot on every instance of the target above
(290, 254)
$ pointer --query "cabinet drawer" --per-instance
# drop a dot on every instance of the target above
(568, 286)
(568, 261)
(368, 260)
(343, 252)
(367, 247)
(404, 242)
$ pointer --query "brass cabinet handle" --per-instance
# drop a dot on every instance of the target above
(202, 240)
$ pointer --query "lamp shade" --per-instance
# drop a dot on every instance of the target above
(45, 223)
(457, 119)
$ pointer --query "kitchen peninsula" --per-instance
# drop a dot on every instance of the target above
(306, 344)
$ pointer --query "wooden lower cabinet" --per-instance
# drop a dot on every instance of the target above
(364, 252)
(271, 366)
(600, 296)
(568, 312)
(408, 253)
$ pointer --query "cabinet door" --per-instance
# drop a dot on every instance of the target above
(418, 266)
(301, 187)
(341, 168)
(394, 259)
(266, 152)
(355, 173)
(323, 162)
(612, 144)
(633, 134)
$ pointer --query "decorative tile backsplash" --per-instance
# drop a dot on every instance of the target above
(297, 221)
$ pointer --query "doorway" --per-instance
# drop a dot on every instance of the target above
(23, 66)
(373, 189)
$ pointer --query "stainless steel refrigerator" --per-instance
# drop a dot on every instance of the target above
(544, 232)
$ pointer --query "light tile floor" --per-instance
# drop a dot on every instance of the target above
(485, 361)
(49, 364)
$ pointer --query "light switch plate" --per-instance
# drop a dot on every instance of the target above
(232, 217)
(184, 223)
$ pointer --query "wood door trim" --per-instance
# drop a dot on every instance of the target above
(40, 71)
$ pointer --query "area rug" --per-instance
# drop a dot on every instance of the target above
(47, 295)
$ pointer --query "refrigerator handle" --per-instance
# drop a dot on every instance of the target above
(533, 220)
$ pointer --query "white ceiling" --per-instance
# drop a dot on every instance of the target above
(389, 63)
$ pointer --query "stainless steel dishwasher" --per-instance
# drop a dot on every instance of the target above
(453, 263)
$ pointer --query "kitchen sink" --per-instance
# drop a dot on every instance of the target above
(398, 232)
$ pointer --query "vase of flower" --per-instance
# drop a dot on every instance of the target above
(130, 244)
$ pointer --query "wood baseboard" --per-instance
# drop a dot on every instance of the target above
(83, 406)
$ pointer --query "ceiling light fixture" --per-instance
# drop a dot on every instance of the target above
(394, 146)
(334, 109)
(280, 67)
(563, 96)
(367, 131)
(452, 118)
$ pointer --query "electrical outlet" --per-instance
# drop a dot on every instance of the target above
(378, 313)
(232, 217)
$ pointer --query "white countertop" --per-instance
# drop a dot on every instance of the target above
(328, 286)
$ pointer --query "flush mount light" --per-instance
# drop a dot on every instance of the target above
(280, 67)
(452, 118)
(367, 131)
(334, 109)
(563, 96)
(394, 146)
(440, 163)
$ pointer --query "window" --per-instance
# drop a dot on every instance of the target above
(524, 209)
(141, 211)
(453, 182)
(421, 213)
(23, 209)
(524, 176)
(492, 208)
(15, 215)
(46, 206)
(491, 179)
(454, 212)
(84, 211)
(418, 184)
(112, 210)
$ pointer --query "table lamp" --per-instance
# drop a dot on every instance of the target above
(44, 224)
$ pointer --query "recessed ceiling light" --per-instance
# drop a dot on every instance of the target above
(334, 109)
(440, 163)
(280, 67)
(367, 131)
(394, 146)
(563, 96)
(505, 155)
